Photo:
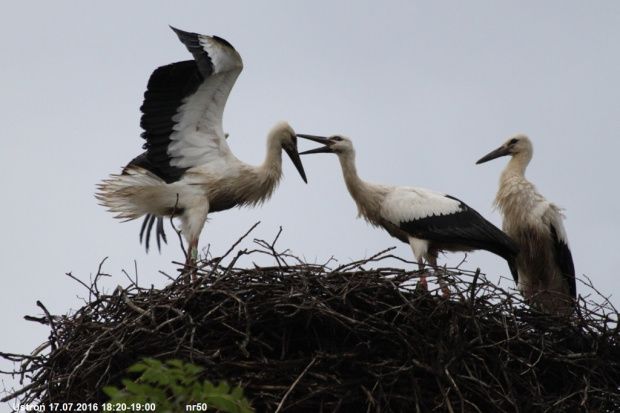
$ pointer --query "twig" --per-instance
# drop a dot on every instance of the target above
(219, 260)
(50, 318)
(295, 384)
(474, 281)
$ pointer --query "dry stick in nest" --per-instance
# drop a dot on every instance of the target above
(310, 337)
(295, 383)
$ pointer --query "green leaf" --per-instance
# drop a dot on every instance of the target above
(136, 388)
(155, 377)
(237, 393)
(111, 390)
(138, 367)
(175, 363)
(173, 384)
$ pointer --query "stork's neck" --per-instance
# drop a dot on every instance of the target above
(366, 195)
(514, 189)
(517, 165)
(271, 169)
(254, 184)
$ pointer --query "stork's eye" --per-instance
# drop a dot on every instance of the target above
(514, 141)
(337, 138)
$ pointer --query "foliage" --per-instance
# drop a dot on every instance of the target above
(173, 385)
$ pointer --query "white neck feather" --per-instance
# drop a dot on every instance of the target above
(517, 165)
(513, 196)
(272, 166)
(269, 173)
(367, 196)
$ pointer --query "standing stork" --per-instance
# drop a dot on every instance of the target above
(429, 221)
(188, 170)
(545, 265)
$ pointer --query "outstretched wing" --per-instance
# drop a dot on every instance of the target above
(184, 105)
(182, 113)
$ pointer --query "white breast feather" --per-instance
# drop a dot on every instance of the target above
(522, 204)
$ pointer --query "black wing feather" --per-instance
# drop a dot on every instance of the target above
(202, 58)
(166, 91)
(465, 227)
(565, 261)
(167, 88)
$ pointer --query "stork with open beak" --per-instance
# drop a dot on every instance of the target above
(188, 171)
(546, 273)
(429, 221)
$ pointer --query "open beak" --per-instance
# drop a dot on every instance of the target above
(322, 149)
(294, 155)
(501, 151)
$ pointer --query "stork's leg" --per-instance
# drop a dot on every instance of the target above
(193, 219)
(432, 260)
(420, 248)
(529, 294)
(422, 270)
(527, 291)
(192, 258)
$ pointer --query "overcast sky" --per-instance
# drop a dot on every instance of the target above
(424, 89)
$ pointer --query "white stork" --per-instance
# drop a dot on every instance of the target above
(428, 221)
(545, 265)
(188, 170)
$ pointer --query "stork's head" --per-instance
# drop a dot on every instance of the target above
(282, 135)
(337, 144)
(515, 145)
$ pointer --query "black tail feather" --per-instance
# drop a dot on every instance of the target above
(147, 226)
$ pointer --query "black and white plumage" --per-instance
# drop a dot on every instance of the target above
(545, 265)
(429, 221)
(188, 169)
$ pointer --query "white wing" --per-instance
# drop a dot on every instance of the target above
(444, 221)
(184, 105)
(409, 204)
(198, 136)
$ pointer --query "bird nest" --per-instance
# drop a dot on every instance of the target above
(307, 337)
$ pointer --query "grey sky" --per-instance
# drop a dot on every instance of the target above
(423, 88)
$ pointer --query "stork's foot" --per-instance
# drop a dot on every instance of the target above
(445, 290)
(190, 272)
(190, 265)
(422, 285)
(193, 272)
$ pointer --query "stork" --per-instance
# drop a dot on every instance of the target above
(429, 221)
(188, 169)
(546, 274)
